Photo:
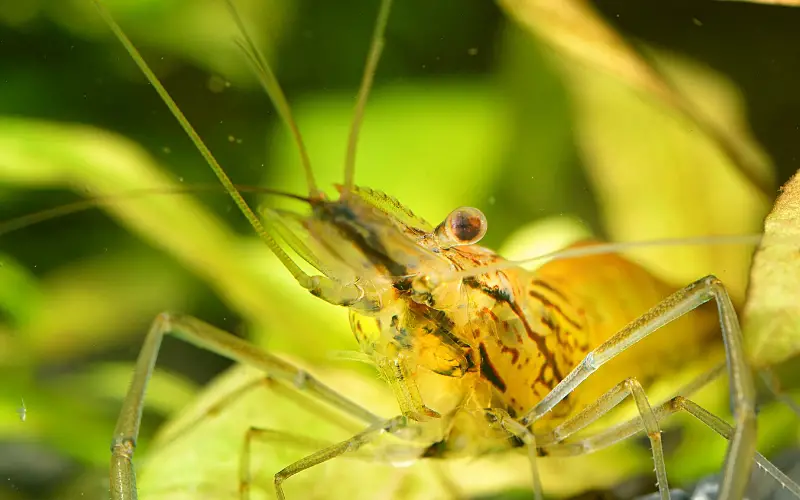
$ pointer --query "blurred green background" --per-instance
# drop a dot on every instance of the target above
(469, 108)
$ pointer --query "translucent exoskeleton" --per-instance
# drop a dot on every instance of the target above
(482, 356)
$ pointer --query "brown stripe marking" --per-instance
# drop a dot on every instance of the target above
(488, 372)
(513, 351)
(547, 303)
(538, 339)
(502, 297)
(548, 286)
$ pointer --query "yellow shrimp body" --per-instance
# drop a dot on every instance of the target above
(571, 307)
(505, 338)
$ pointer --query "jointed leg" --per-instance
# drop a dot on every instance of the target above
(627, 429)
(194, 331)
(523, 433)
(304, 400)
(723, 429)
(353, 444)
(738, 459)
(609, 401)
(272, 436)
(632, 426)
(354, 447)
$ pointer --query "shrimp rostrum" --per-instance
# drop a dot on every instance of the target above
(483, 356)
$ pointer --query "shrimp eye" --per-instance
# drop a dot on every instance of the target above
(464, 226)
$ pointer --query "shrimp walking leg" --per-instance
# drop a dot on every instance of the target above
(194, 331)
(606, 403)
(269, 436)
(723, 429)
(353, 446)
(305, 400)
(741, 449)
(391, 426)
(526, 436)
(627, 429)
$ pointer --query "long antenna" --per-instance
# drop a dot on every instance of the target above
(374, 56)
(273, 89)
(302, 278)
(605, 248)
(17, 223)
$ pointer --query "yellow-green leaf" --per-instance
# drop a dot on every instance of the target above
(772, 311)
(579, 34)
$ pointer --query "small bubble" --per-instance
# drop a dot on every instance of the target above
(166, 150)
(231, 138)
(22, 411)
(492, 200)
(217, 84)
(697, 22)
(473, 51)
(180, 179)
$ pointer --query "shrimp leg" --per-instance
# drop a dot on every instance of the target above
(606, 403)
(742, 446)
(396, 425)
(274, 386)
(526, 436)
(268, 435)
(388, 453)
(194, 331)
(627, 429)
